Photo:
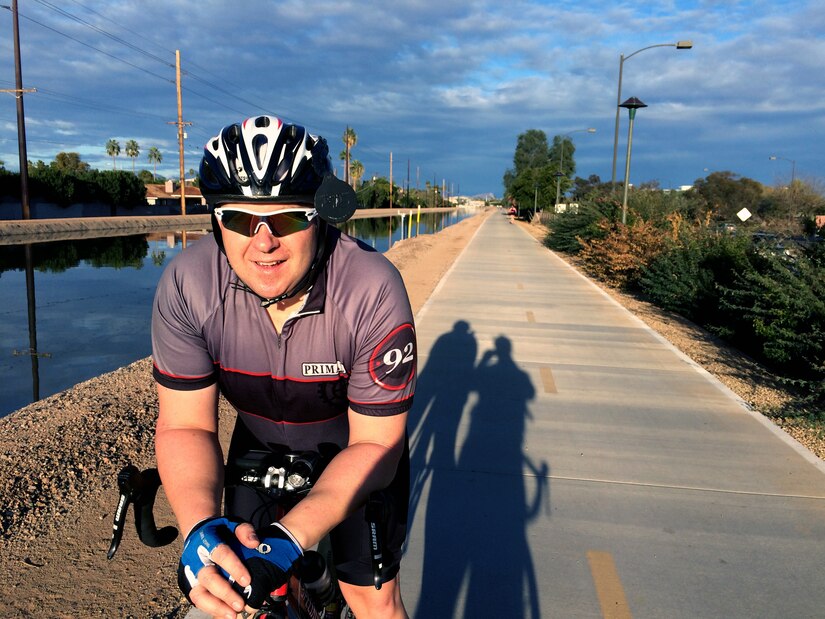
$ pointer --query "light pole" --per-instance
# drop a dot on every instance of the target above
(632, 105)
(622, 58)
(559, 174)
(793, 166)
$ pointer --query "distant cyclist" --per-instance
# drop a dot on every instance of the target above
(308, 333)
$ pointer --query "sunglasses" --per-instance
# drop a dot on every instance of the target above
(280, 223)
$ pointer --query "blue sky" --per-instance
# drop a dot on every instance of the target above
(446, 85)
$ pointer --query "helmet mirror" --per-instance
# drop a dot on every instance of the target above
(335, 200)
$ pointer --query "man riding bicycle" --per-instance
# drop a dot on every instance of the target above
(309, 335)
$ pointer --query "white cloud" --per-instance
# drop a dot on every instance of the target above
(448, 82)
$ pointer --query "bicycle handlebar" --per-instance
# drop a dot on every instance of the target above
(140, 488)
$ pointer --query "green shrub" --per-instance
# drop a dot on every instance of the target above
(566, 229)
(782, 303)
(685, 278)
(64, 188)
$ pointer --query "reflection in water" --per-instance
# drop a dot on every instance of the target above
(90, 313)
(32, 309)
(60, 256)
(382, 232)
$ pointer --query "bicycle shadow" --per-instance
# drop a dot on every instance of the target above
(467, 458)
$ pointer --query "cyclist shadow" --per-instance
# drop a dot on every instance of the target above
(467, 455)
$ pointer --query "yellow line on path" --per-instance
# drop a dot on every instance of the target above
(608, 586)
(547, 380)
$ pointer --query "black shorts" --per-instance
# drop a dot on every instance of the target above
(350, 540)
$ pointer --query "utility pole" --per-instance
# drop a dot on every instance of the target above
(346, 156)
(180, 125)
(390, 179)
(18, 91)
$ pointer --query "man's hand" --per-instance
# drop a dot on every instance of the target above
(223, 559)
(269, 562)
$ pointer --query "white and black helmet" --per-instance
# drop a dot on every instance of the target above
(263, 158)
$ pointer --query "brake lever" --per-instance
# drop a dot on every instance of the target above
(140, 489)
(376, 513)
(126, 486)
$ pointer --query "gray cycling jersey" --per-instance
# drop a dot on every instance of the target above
(352, 345)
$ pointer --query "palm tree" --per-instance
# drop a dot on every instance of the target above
(155, 158)
(113, 150)
(132, 150)
(356, 171)
(350, 140)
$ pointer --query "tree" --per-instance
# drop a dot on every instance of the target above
(591, 186)
(531, 179)
(724, 194)
(132, 151)
(792, 209)
(356, 171)
(350, 139)
(375, 193)
(155, 157)
(531, 151)
(113, 150)
(69, 162)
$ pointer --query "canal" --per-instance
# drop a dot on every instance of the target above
(75, 309)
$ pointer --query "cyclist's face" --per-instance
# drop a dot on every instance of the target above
(270, 265)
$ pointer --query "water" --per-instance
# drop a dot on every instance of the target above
(92, 303)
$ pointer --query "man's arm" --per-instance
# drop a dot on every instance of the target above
(190, 463)
(367, 464)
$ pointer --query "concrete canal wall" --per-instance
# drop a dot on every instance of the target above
(20, 231)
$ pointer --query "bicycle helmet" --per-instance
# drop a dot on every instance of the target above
(264, 159)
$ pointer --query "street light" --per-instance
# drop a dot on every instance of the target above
(632, 105)
(793, 166)
(561, 159)
(622, 58)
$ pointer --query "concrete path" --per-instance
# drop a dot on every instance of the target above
(568, 462)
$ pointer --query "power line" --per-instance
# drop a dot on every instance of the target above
(63, 34)
(154, 57)
(72, 100)
(171, 52)
(105, 33)
(150, 55)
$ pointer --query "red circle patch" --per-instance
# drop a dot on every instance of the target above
(392, 364)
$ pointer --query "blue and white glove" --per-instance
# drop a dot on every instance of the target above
(268, 563)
